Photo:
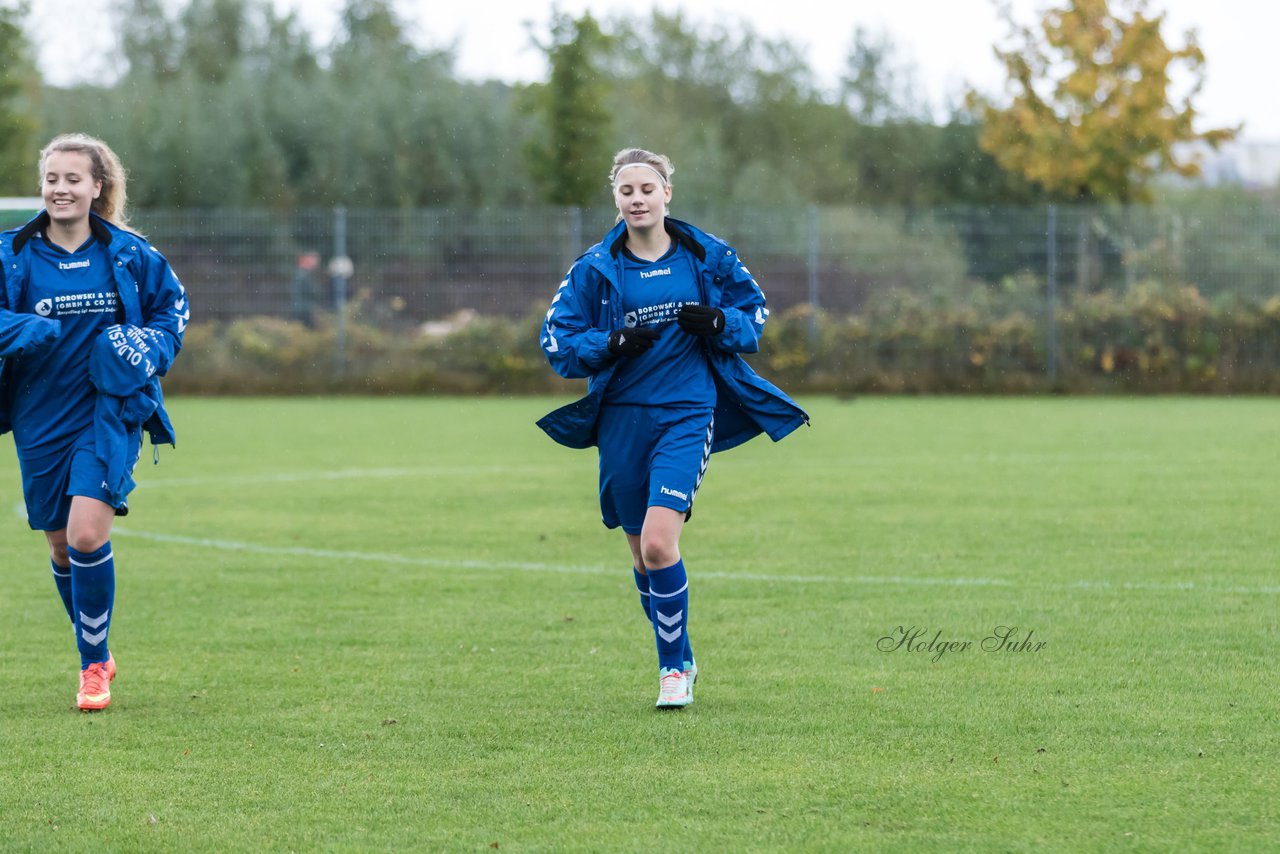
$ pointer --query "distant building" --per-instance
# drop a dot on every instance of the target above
(1253, 165)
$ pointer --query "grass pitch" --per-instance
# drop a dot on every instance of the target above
(397, 624)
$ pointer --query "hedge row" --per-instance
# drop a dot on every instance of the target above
(1146, 339)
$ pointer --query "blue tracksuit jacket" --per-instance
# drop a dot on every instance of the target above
(150, 297)
(588, 306)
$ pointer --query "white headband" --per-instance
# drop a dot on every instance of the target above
(661, 177)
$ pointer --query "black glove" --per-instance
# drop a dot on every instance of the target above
(632, 342)
(700, 320)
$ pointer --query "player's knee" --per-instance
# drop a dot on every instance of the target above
(659, 553)
(86, 540)
(58, 552)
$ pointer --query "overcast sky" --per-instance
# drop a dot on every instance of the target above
(948, 42)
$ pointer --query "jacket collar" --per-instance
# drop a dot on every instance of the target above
(679, 231)
(39, 223)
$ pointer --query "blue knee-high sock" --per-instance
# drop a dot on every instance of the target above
(62, 578)
(647, 606)
(93, 592)
(669, 596)
(642, 585)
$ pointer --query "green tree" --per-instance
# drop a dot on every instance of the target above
(568, 161)
(1092, 116)
(215, 32)
(149, 38)
(371, 26)
(264, 118)
(877, 87)
(735, 111)
(277, 81)
(889, 141)
(395, 118)
(17, 123)
(961, 172)
(229, 103)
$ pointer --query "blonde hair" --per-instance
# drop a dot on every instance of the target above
(639, 157)
(105, 166)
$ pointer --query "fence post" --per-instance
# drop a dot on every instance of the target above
(339, 270)
(1129, 258)
(1051, 279)
(813, 279)
(1083, 285)
(575, 235)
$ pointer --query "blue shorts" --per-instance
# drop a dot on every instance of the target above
(49, 481)
(650, 456)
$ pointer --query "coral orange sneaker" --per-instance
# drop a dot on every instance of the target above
(95, 688)
(111, 667)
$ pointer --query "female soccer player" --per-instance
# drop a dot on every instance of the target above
(654, 316)
(90, 316)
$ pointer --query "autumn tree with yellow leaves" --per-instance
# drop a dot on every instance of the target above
(1092, 115)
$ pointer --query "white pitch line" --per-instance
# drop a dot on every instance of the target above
(367, 557)
(526, 566)
(860, 579)
(1187, 586)
(342, 474)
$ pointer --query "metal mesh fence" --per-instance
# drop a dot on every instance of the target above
(416, 265)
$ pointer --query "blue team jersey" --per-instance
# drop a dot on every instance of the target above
(51, 398)
(675, 372)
